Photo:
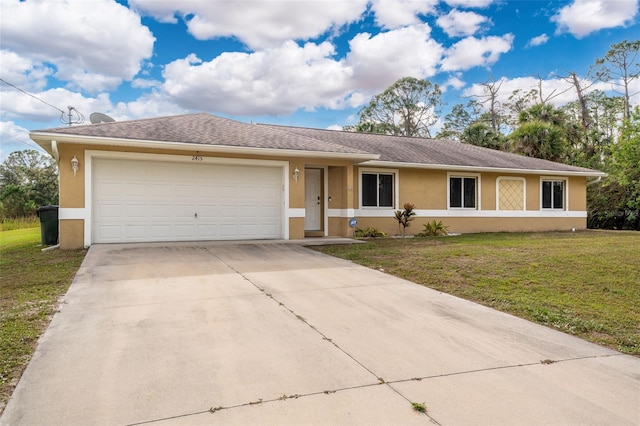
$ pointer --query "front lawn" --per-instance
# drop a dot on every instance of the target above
(583, 283)
(31, 282)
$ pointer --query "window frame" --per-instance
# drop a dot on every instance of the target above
(524, 192)
(478, 190)
(565, 195)
(394, 186)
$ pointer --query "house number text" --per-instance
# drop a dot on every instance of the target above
(196, 158)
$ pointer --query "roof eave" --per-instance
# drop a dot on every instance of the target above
(44, 139)
(453, 167)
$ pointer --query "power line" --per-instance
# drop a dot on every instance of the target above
(69, 119)
(29, 145)
(33, 96)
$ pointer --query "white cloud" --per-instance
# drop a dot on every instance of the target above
(335, 127)
(258, 24)
(538, 41)
(454, 82)
(273, 81)
(459, 23)
(14, 138)
(472, 52)
(145, 83)
(22, 72)
(469, 3)
(284, 79)
(380, 60)
(582, 17)
(358, 98)
(634, 88)
(155, 104)
(94, 47)
(398, 13)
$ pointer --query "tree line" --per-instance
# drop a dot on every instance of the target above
(597, 131)
(28, 180)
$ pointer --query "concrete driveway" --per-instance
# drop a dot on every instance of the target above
(274, 333)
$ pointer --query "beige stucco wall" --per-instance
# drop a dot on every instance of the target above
(71, 234)
(578, 193)
(296, 228)
(71, 187)
(337, 185)
(507, 224)
(533, 192)
(427, 189)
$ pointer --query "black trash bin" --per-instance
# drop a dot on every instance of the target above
(48, 224)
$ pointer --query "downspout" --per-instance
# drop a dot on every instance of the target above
(595, 181)
(56, 155)
(54, 150)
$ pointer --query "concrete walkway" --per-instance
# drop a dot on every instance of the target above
(198, 334)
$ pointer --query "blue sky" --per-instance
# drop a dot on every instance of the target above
(311, 63)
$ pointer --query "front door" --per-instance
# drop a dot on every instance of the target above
(313, 200)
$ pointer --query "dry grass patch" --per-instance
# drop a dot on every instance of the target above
(584, 283)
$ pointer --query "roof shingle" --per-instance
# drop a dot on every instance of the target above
(203, 129)
(207, 129)
(437, 152)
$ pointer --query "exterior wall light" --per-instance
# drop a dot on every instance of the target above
(75, 165)
(296, 173)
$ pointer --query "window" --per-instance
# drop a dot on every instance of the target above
(462, 192)
(377, 189)
(553, 194)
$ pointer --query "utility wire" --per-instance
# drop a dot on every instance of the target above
(78, 119)
(33, 96)
(29, 145)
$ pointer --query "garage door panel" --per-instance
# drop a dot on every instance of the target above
(132, 232)
(160, 190)
(107, 188)
(109, 210)
(133, 212)
(184, 191)
(157, 232)
(137, 201)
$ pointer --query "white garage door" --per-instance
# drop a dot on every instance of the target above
(139, 201)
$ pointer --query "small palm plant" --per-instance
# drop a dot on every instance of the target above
(405, 216)
(433, 228)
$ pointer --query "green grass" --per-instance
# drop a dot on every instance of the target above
(10, 224)
(31, 282)
(18, 237)
(583, 283)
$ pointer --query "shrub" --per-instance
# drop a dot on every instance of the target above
(369, 233)
(404, 217)
(433, 228)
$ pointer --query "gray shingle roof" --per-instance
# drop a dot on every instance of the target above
(207, 129)
(431, 151)
(203, 129)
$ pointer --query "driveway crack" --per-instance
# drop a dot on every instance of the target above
(380, 380)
